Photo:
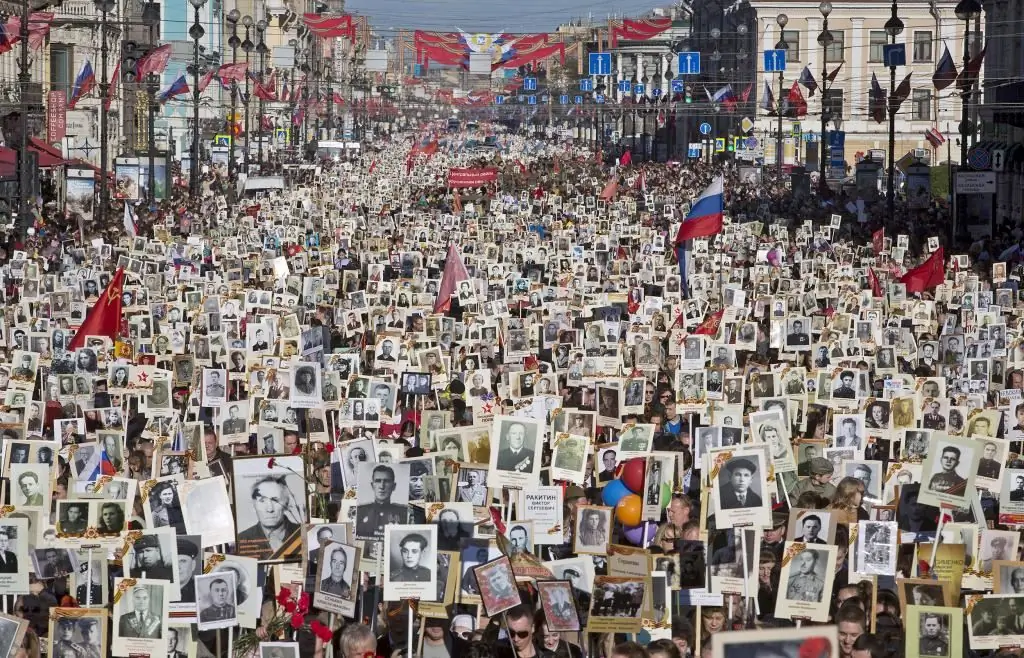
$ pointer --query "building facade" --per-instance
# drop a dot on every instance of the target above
(858, 40)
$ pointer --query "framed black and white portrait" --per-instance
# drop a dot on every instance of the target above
(410, 565)
(739, 487)
(805, 581)
(270, 506)
(592, 533)
(140, 616)
(337, 578)
(949, 470)
(214, 387)
(215, 600)
(382, 498)
(515, 457)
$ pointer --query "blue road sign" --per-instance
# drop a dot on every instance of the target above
(689, 63)
(564, 99)
(598, 98)
(586, 84)
(693, 151)
(578, 100)
(705, 128)
(625, 86)
(677, 86)
(544, 98)
(499, 100)
(656, 92)
(600, 64)
(979, 158)
(529, 84)
(417, 71)
(775, 60)
(751, 143)
(639, 89)
(894, 54)
(531, 100)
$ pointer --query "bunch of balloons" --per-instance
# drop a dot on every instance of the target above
(624, 494)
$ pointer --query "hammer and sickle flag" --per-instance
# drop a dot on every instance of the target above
(104, 318)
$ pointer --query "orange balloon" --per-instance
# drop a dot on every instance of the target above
(629, 510)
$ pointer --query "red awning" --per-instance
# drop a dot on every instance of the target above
(48, 157)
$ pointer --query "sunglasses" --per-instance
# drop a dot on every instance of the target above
(522, 635)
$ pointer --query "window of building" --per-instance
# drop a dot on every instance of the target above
(922, 46)
(922, 105)
(62, 61)
(833, 103)
(792, 39)
(877, 43)
(836, 49)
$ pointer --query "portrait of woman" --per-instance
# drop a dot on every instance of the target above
(166, 507)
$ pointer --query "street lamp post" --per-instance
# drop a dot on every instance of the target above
(966, 11)
(261, 48)
(893, 27)
(104, 7)
(329, 79)
(196, 33)
(247, 46)
(234, 42)
(782, 20)
(825, 40)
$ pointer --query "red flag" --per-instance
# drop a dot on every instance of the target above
(235, 72)
(155, 61)
(796, 106)
(927, 275)
(876, 287)
(104, 318)
(373, 165)
(610, 189)
(710, 325)
(626, 159)
(969, 75)
(878, 240)
(205, 81)
(454, 273)
(112, 87)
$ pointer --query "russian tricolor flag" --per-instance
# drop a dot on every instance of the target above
(84, 83)
(177, 88)
(705, 217)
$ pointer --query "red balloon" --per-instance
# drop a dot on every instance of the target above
(632, 474)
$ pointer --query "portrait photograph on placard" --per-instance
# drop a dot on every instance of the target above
(559, 605)
(497, 583)
(140, 616)
(270, 506)
(615, 604)
(336, 579)
(805, 581)
(410, 565)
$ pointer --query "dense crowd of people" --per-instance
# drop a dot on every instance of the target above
(376, 414)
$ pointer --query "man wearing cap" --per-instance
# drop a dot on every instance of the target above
(805, 585)
(575, 578)
(141, 622)
(818, 481)
(93, 596)
(65, 640)
(149, 561)
(89, 648)
(736, 493)
(187, 553)
(998, 547)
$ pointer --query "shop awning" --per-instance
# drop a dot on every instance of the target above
(48, 157)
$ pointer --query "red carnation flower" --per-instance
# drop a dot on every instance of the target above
(285, 594)
(298, 620)
(329, 448)
(270, 463)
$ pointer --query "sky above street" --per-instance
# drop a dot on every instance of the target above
(516, 16)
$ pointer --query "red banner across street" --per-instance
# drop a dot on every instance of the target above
(472, 177)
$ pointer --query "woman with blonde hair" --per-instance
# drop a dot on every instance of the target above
(847, 499)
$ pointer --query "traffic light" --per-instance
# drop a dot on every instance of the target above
(689, 94)
(131, 53)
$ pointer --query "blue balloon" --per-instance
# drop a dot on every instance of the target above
(635, 535)
(613, 492)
